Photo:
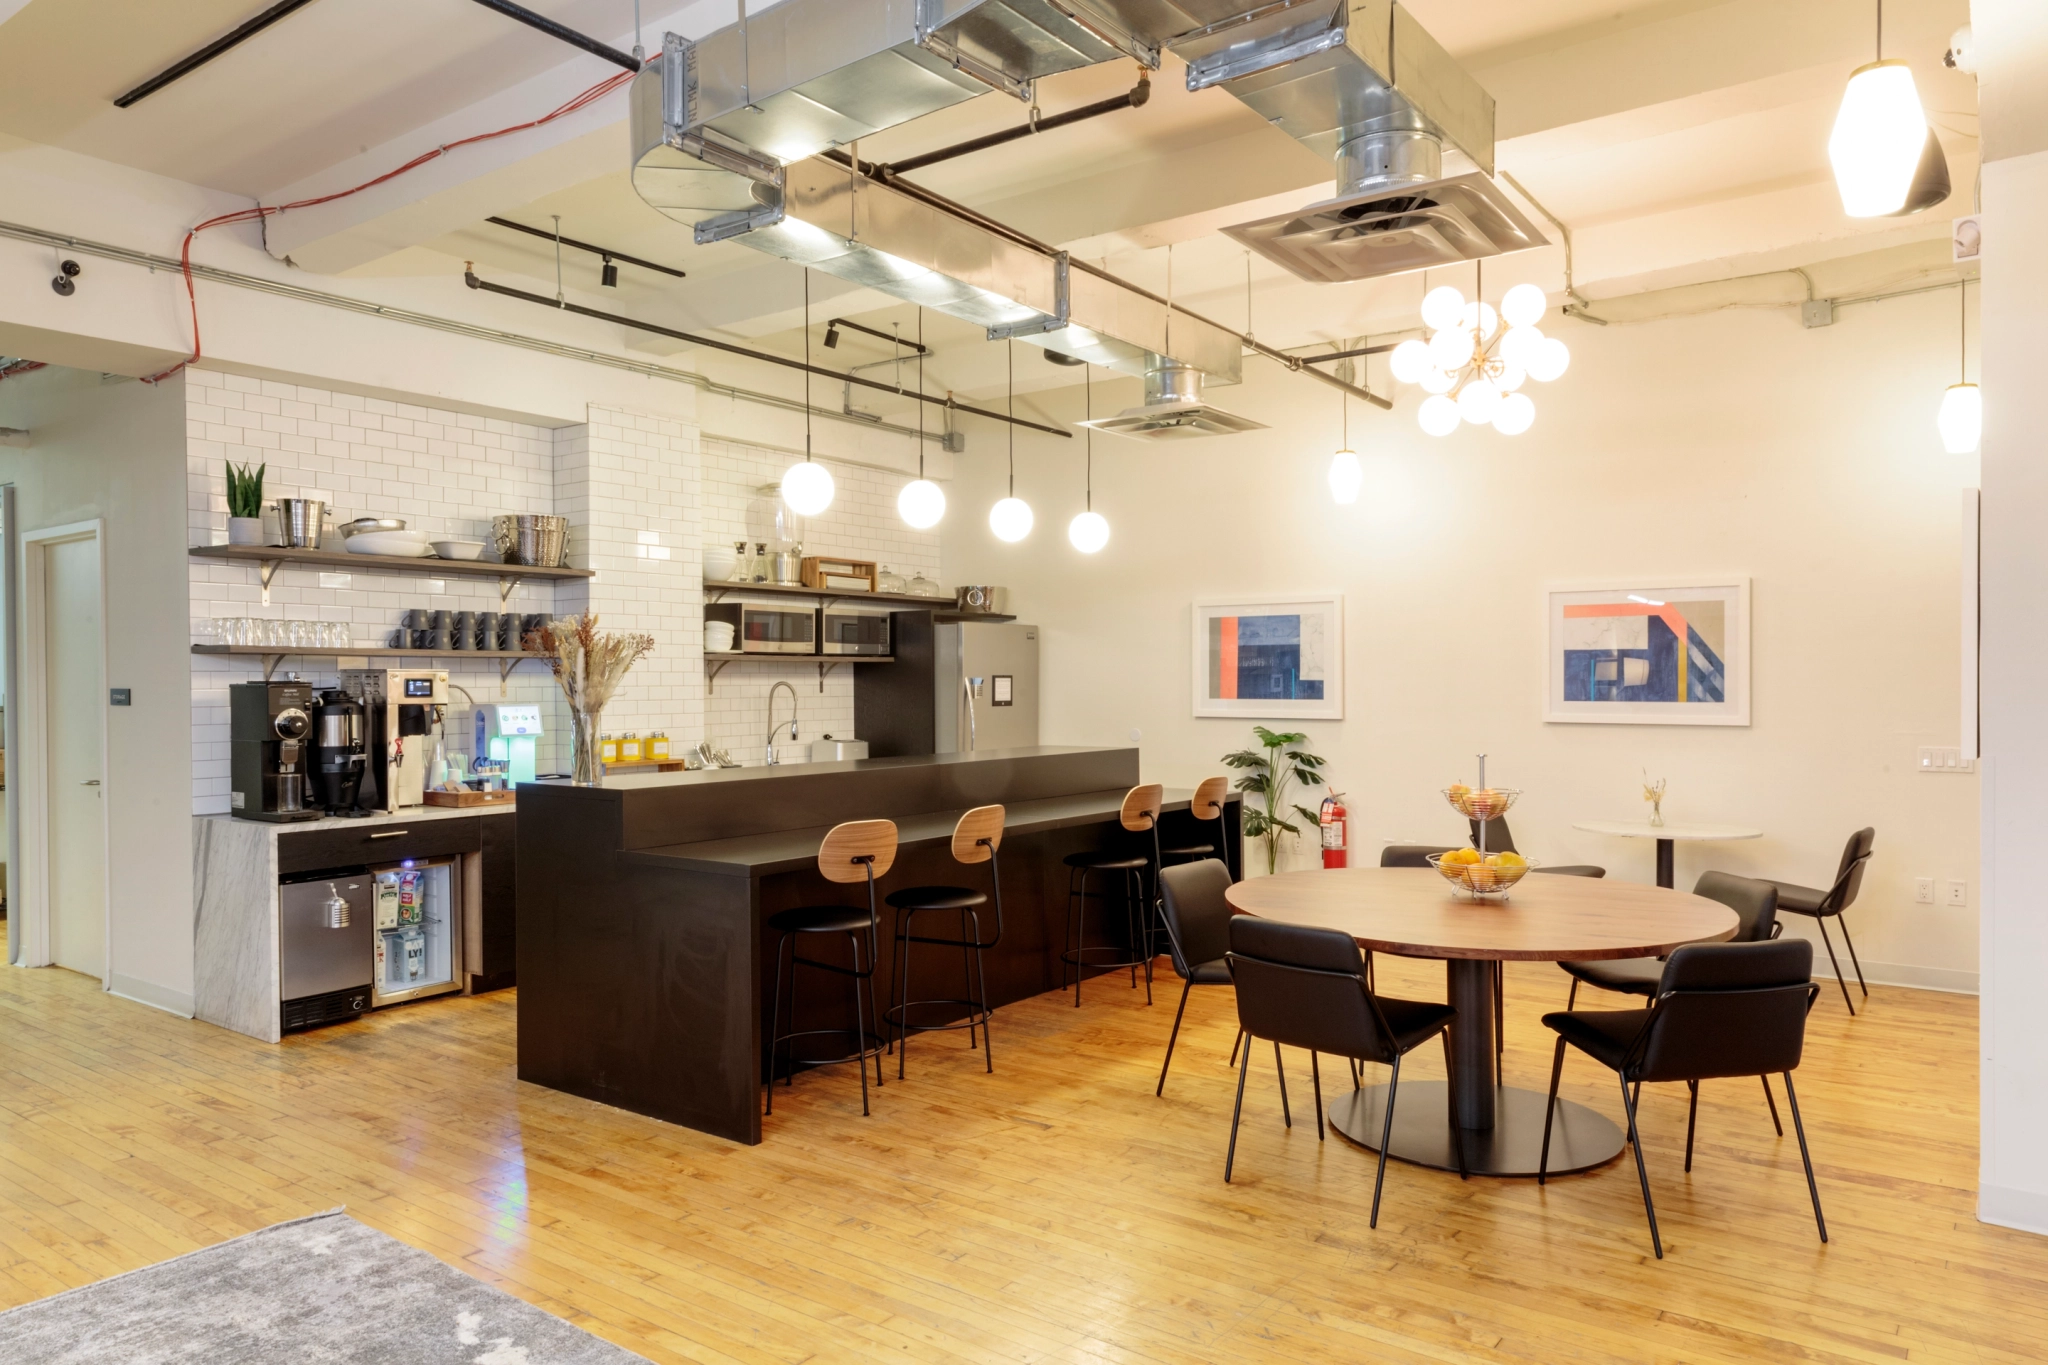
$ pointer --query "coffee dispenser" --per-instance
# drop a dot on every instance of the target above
(268, 723)
(401, 707)
(339, 758)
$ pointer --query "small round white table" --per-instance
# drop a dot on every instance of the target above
(1666, 836)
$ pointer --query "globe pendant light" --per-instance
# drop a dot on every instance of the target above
(1011, 518)
(1345, 474)
(807, 485)
(1961, 420)
(1475, 364)
(1089, 532)
(922, 503)
(1887, 161)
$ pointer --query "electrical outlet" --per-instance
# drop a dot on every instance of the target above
(1956, 893)
(1923, 890)
(1934, 759)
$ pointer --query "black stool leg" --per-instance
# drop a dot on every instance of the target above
(900, 989)
(1822, 922)
(1854, 961)
(988, 1047)
(1386, 1136)
(1692, 1114)
(860, 1024)
(1550, 1112)
(1811, 1188)
(1174, 1037)
(1236, 1043)
(1315, 1075)
(1244, 1069)
(1286, 1116)
(967, 973)
(1642, 1172)
(775, 1016)
(1771, 1101)
(1076, 876)
(1573, 998)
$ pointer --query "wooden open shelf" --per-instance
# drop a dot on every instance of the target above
(269, 558)
(941, 608)
(718, 663)
(273, 655)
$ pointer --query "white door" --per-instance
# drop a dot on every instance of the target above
(78, 813)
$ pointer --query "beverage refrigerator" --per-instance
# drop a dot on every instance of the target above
(416, 918)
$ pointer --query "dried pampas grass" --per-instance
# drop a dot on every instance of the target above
(588, 664)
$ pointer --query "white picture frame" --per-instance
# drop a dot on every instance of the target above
(1269, 657)
(1612, 656)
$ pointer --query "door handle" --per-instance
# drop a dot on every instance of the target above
(391, 834)
(90, 782)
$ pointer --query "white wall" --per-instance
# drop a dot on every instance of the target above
(2013, 1186)
(1730, 443)
(115, 450)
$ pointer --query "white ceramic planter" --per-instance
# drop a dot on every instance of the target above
(245, 530)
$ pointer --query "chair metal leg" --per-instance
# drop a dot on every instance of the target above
(1837, 965)
(860, 1025)
(1286, 1116)
(1771, 1101)
(1451, 1090)
(967, 972)
(1235, 1046)
(988, 1046)
(1642, 1172)
(1572, 999)
(1174, 1037)
(1315, 1075)
(775, 1016)
(1799, 1126)
(1357, 1077)
(1550, 1112)
(1853, 959)
(1692, 1114)
(1386, 1137)
(1244, 1069)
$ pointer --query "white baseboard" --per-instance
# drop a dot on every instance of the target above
(155, 996)
(1950, 979)
(2025, 1210)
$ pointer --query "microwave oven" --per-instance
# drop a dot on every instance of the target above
(762, 628)
(852, 630)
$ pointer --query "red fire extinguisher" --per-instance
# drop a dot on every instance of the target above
(1336, 829)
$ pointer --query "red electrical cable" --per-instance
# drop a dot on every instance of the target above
(260, 212)
(21, 367)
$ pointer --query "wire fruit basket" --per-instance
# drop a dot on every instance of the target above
(1474, 871)
(1482, 880)
(1483, 803)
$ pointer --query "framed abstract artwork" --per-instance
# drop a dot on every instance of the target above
(1279, 658)
(1649, 652)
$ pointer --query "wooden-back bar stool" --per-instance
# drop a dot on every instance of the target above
(1205, 805)
(859, 850)
(977, 838)
(1140, 815)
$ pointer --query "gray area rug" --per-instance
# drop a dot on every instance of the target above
(323, 1290)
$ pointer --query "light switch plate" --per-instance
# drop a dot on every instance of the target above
(1923, 890)
(1934, 759)
(1956, 893)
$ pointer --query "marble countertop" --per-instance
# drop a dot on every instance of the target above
(409, 814)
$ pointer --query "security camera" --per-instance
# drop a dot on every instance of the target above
(1962, 51)
(62, 283)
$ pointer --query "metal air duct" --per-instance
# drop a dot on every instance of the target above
(1362, 83)
(1173, 408)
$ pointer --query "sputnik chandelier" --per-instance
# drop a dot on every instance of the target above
(1473, 368)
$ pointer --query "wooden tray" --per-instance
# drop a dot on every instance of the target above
(503, 798)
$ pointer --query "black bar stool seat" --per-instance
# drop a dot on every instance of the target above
(1138, 814)
(821, 919)
(1189, 852)
(1103, 860)
(977, 837)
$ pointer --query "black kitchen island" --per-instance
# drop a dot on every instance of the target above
(645, 968)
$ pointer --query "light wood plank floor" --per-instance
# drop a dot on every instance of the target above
(1054, 1211)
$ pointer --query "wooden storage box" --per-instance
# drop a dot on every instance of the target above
(839, 575)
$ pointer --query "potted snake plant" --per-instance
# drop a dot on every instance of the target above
(245, 504)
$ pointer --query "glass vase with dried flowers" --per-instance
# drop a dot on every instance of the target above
(1653, 792)
(588, 664)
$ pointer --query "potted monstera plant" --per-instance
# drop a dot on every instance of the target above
(1281, 760)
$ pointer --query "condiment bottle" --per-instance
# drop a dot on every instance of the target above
(608, 749)
(629, 747)
(657, 746)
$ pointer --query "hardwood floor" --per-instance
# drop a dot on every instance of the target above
(1054, 1211)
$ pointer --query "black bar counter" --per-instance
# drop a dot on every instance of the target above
(646, 969)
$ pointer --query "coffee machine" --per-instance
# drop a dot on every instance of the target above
(401, 707)
(339, 758)
(267, 729)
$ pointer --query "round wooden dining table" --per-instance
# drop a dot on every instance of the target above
(1414, 912)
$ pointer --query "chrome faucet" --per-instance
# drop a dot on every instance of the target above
(773, 728)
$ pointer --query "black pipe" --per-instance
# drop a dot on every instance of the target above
(875, 332)
(469, 277)
(232, 38)
(1346, 355)
(593, 249)
(563, 32)
(1134, 98)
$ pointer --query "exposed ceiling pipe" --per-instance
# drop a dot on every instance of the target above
(1134, 98)
(234, 37)
(606, 252)
(564, 33)
(470, 278)
(833, 325)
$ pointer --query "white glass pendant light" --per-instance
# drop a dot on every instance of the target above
(1451, 348)
(1480, 319)
(1345, 474)
(1442, 307)
(1523, 306)
(1474, 370)
(1879, 137)
(1961, 420)
(1011, 518)
(1410, 361)
(1437, 380)
(1477, 401)
(1519, 344)
(1438, 414)
(1089, 531)
(1550, 360)
(922, 503)
(807, 485)
(1514, 414)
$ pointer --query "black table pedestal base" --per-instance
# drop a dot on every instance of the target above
(1580, 1139)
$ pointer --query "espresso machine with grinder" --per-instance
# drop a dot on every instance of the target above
(268, 726)
(401, 708)
(339, 757)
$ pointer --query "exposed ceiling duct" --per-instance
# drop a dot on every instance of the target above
(1173, 409)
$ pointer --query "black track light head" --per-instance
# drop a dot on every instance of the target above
(832, 337)
(610, 278)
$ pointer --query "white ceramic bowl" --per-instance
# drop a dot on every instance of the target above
(459, 549)
(719, 563)
(718, 637)
(401, 544)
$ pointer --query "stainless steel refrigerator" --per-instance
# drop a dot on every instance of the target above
(955, 686)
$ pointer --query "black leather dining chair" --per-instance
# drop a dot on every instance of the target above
(1754, 902)
(1822, 906)
(1306, 987)
(1500, 839)
(1197, 936)
(1721, 1010)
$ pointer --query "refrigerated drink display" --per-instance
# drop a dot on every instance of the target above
(418, 929)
